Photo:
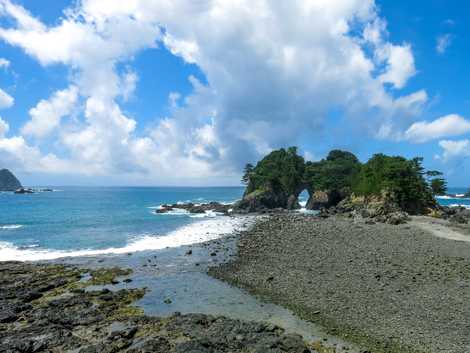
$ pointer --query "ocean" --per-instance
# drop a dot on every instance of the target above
(82, 221)
(92, 221)
(453, 201)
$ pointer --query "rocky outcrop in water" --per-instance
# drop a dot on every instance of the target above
(196, 208)
(24, 191)
(8, 182)
(45, 308)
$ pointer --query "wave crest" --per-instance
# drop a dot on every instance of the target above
(11, 226)
(195, 233)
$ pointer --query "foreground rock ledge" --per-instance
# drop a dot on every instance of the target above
(45, 308)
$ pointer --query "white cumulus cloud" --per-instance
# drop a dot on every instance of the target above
(446, 126)
(273, 71)
(46, 116)
(454, 149)
(400, 64)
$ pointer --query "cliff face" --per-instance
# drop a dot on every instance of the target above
(8, 182)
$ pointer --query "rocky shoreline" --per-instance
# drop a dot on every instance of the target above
(388, 288)
(49, 308)
(385, 288)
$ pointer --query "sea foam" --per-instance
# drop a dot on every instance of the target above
(11, 226)
(195, 233)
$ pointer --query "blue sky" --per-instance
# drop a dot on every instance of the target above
(185, 94)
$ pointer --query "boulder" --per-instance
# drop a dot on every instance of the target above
(8, 182)
(375, 208)
(457, 215)
(262, 200)
(324, 199)
(318, 200)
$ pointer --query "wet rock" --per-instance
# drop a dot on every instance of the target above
(24, 191)
(196, 208)
(66, 318)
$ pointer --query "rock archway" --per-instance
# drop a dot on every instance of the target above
(317, 199)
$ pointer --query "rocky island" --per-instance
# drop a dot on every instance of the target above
(8, 182)
(384, 189)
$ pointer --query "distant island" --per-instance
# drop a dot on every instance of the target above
(8, 181)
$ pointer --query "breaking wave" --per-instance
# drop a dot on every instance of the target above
(11, 226)
(195, 233)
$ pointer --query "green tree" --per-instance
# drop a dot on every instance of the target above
(403, 178)
(438, 186)
(336, 172)
(282, 169)
(247, 173)
(433, 173)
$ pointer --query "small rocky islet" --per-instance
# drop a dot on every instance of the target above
(10, 183)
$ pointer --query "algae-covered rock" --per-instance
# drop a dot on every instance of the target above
(45, 308)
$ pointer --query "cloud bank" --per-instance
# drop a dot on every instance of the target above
(274, 72)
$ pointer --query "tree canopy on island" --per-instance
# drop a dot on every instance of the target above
(284, 170)
(336, 172)
(402, 177)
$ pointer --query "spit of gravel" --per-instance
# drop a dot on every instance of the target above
(388, 288)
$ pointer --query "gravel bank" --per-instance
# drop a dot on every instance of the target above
(388, 288)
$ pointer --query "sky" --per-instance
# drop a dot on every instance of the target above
(179, 92)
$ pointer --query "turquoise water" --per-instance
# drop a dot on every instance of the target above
(80, 221)
(107, 219)
(454, 201)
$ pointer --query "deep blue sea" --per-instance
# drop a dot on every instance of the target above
(77, 221)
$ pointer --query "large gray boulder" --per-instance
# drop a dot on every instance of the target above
(8, 182)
